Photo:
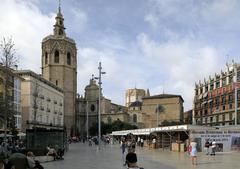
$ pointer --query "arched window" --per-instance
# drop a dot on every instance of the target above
(60, 32)
(135, 118)
(46, 58)
(68, 58)
(56, 56)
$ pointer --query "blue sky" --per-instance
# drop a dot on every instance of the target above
(163, 45)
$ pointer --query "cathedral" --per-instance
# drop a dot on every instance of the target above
(87, 108)
(59, 65)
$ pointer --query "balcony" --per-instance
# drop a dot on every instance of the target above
(32, 122)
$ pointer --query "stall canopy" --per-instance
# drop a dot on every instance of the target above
(148, 131)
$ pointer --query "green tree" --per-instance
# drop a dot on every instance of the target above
(159, 109)
(108, 128)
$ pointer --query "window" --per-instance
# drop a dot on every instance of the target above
(230, 116)
(206, 88)
(224, 82)
(46, 58)
(230, 79)
(92, 108)
(56, 82)
(196, 92)
(60, 32)
(230, 98)
(211, 86)
(205, 112)
(56, 56)
(223, 117)
(223, 99)
(223, 108)
(68, 58)
(135, 118)
(217, 84)
(230, 106)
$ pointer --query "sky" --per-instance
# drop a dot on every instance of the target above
(161, 45)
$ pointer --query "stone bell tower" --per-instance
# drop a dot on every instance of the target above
(59, 65)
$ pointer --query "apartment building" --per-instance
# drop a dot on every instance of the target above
(42, 102)
(214, 100)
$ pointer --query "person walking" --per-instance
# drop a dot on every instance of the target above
(142, 142)
(193, 151)
(213, 148)
(206, 146)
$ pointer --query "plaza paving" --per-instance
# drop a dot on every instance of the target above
(81, 156)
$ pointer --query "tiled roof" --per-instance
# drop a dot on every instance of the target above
(163, 96)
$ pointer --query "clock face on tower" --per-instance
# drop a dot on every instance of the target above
(92, 108)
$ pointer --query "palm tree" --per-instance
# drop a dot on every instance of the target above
(159, 109)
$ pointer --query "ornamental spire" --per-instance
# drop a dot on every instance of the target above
(59, 6)
(59, 28)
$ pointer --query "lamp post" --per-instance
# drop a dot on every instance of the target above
(99, 101)
(87, 121)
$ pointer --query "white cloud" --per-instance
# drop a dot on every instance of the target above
(182, 62)
(79, 20)
(27, 26)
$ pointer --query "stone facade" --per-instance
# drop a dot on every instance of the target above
(42, 102)
(214, 98)
(173, 109)
(88, 105)
(59, 65)
(135, 114)
(133, 95)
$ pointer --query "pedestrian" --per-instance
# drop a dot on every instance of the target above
(154, 143)
(30, 159)
(193, 151)
(131, 160)
(139, 141)
(123, 146)
(142, 142)
(213, 148)
(206, 146)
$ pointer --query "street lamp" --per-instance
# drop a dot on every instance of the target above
(99, 102)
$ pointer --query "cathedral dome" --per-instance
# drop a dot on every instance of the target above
(92, 85)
